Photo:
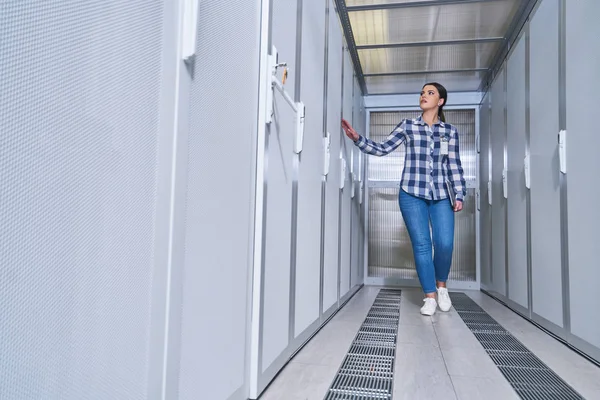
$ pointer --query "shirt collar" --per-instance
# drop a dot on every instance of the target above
(420, 121)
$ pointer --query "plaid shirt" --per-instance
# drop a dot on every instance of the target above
(425, 169)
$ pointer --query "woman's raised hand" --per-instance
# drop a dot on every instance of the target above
(350, 132)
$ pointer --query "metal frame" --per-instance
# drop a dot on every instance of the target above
(325, 178)
(378, 281)
(527, 154)
(347, 28)
(512, 35)
(443, 71)
(295, 178)
(430, 43)
(430, 3)
(562, 124)
(165, 336)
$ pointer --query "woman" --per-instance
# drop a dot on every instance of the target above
(432, 168)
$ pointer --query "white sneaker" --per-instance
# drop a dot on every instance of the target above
(444, 299)
(429, 307)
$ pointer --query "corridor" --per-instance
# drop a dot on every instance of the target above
(436, 357)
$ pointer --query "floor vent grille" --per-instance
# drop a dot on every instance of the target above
(367, 372)
(527, 374)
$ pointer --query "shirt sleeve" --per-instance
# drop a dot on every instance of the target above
(456, 173)
(394, 139)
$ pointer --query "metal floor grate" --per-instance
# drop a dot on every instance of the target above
(527, 374)
(367, 372)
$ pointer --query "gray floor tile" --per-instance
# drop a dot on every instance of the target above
(301, 382)
(469, 388)
(421, 386)
(470, 362)
(417, 334)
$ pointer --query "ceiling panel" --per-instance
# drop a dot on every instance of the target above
(351, 3)
(453, 82)
(427, 58)
(432, 23)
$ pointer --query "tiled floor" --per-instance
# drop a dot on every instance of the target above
(437, 357)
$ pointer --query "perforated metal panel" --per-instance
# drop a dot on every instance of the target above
(546, 274)
(332, 195)
(217, 261)
(367, 372)
(484, 178)
(527, 374)
(497, 160)
(79, 109)
(308, 255)
(516, 208)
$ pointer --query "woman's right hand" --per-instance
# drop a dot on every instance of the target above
(350, 132)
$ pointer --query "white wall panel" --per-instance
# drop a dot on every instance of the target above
(517, 192)
(498, 140)
(583, 164)
(217, 262)
(80, 116)
(347, 147)
(545, 186)
(332, 194)
(484, 178)
(280, 175)
(308, 250)
(356, 223)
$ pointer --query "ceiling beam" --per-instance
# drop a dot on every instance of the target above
(347, 28)
(443, 71)
(512, 34)
(428, 43)
(389, 6)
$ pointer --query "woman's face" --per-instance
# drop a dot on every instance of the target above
(430, 98)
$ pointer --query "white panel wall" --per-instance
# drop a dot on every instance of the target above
(218, 243)
(546, 265)
(281, 172)
(347, 149)
(551, 84)
(157, 240)
(583, 163)
(308, 251)
(516, 205)
(332, 194)
(498, 143)
(290, 287)
(86, 152)
(485, 152)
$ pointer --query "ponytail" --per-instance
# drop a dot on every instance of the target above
(441, 114)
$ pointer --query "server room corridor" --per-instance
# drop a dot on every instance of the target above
(436, 357)
(209, 199)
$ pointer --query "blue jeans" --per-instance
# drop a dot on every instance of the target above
(417, 214)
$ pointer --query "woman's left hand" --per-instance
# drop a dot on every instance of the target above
(458, 206)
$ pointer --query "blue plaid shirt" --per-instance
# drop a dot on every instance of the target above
(425, 169)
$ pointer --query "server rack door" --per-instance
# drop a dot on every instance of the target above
(517, 191)
(484, 198)
(498, 141)
(546, 252)
(582, 59)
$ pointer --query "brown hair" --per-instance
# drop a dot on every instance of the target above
(443, 95)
